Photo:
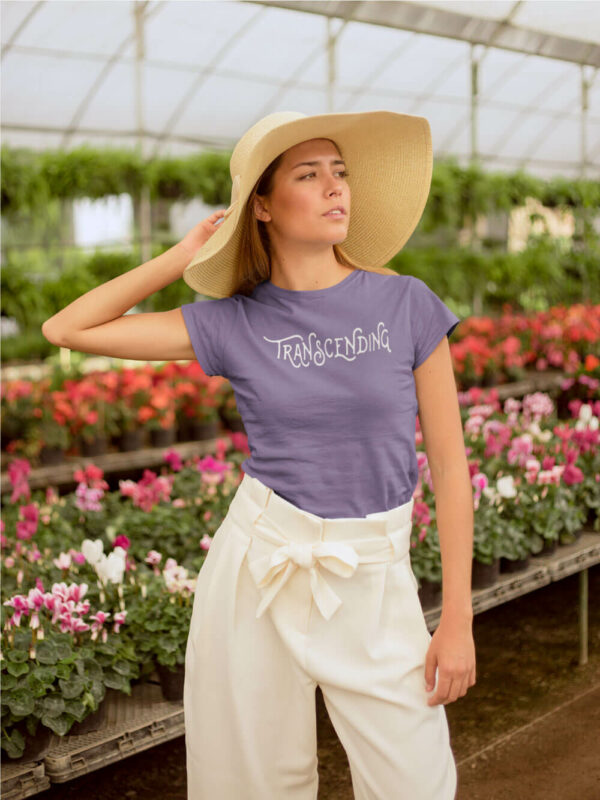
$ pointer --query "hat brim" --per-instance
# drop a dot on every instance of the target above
(390, 160)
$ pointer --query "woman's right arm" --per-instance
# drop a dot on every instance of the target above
(96, 322)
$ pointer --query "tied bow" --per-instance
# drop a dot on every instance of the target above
(275, 569)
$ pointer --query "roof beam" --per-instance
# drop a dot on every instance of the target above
(431, 21)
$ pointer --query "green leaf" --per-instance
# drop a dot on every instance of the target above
(21, 703)
(8, 682)
(53, 705)
(72, 687)
(14, 743)
(59, 724)
(122, 667)
(17, 655)
(113, 680)
(18, 669)
(76, 708)
(46, 652)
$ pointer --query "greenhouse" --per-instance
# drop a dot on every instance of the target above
(223, 575)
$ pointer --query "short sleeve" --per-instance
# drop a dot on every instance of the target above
(206, 321)
(430, 320)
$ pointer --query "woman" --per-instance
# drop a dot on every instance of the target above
(308, 579)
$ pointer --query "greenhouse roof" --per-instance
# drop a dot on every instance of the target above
(177, 77)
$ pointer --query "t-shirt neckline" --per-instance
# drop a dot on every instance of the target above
(302, 294)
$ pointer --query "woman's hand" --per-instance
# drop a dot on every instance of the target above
(201, 233)
(452, 651)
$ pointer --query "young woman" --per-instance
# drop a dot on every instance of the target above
(331, 355)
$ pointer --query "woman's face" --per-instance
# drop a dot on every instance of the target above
(302, 193)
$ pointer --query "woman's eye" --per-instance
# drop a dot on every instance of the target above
(344, 173)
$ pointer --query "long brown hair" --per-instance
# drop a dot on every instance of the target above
(254, 263)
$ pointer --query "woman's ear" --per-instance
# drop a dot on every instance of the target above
(260, 212)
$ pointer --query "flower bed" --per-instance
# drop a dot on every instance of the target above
(496, 351)
(62, 414)
(98, 586)
(77, 414)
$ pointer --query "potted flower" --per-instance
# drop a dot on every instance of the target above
(88, 399)
(56, 668)
(162, 621)
(131, 393)
(158, 414)
(17, 408)
(198, 409)
(49, 424)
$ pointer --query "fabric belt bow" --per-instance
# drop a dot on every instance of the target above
(275, 569)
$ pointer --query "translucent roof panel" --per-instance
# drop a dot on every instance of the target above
(209, 70)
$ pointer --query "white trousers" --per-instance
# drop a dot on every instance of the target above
(286, 600)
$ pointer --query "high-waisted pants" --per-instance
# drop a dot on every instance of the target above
(286, 600)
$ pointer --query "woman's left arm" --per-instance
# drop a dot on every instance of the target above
(452, 649)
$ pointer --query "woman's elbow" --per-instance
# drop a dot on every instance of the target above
(52, 334)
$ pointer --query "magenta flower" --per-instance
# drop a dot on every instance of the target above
(122, 541)
(173, 459)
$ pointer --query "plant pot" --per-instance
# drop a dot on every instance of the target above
(130, 440)
(93, 447)
(171, 681)
(484, 575)
(36, 746)
(92, 722)
(514, 564)
(161, 437)
(430, 593)
(200, 431)
(183, 430)
(235, 424)
(51, 455)
(548, 548)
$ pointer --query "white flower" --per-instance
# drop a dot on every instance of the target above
(506, 486)
(111, 567)
(585, 412)
(92, 550)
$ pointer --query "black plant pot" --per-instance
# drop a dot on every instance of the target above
(51, 455)
(430, 593)
(94, 447)
(183, 430)
(161, 437)
(131, 440)
(171, 681)
(235, 424)
(484, 575)
(200, 431)
(36, 746)
(549, 548)
(514, 564)
(92, 722)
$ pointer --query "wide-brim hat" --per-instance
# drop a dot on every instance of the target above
(389, 159)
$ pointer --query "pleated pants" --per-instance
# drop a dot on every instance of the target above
(286, 600)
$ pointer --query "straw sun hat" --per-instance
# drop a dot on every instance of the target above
(389, 159)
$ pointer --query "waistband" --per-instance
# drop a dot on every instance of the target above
(301, 539)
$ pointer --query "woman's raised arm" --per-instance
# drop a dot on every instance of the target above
(97, 322)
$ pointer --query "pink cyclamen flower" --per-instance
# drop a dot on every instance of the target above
(63, 561)
(205, 542)
(153, 557)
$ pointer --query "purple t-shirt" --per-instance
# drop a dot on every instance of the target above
(324, 384)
